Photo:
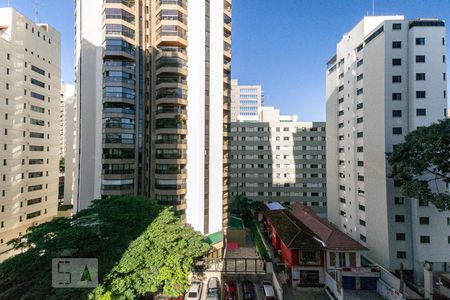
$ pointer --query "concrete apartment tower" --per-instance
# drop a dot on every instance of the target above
(278, 158)
(29, 124)
(245, 101)
(153, 93)
(386, 79)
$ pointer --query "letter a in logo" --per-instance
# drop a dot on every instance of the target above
(86, 276)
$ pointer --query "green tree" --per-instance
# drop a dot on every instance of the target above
(109, 230)
(160, 258)
(422, 164)
(242, 205)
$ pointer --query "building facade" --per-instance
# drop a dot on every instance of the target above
(279, 159)
(153, 93)
(245, 101)
(388, 77)
(69, 142)
(29, 122)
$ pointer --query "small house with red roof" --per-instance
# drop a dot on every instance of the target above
(311, 247)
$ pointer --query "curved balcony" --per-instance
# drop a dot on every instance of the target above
(172, 52)
(171, 38)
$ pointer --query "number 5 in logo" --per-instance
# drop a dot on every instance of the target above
(64, 275)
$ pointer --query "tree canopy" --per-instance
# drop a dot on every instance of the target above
(141, 247)
(422, 164)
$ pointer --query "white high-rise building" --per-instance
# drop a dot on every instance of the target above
(388, 77)
(29, 124)
(153, 99)
(245, 101)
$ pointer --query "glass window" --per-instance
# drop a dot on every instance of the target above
(420, 41)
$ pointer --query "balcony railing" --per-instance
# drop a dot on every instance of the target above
(129, 4)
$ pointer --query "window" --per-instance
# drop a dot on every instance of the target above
(420, 76)
(396, 26)
(33, 214)
(359, 120)
(396, 130)
(400, 236)
(37, 109)
(34, 201)
(37, 122)
(399, 218)
(36, 135)
(420, 41)
(359, 77)
(359, 91)
(38, 83)
(421, 94)
(37, 96)
(37, 148)
(424, 239)
(401, 254)
(421, 112)
(420, 58)
(361, 207)
(424, 221)
(362, 222)
(363, 238)
(396, 61)
(37, 70)
(359, 62)
(35, 188)
(396, 79)
(396, 113)
(359, 106)
(396, 96)
(342, 260)
(396, 45)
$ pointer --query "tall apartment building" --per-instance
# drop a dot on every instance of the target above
(153, 90)
(245, 101)
(29, 124)
(69, 142)
(388, 77)
(280, 159)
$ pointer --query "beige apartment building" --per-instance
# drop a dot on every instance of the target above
(278, 158)
(29, 124)
(153, 104)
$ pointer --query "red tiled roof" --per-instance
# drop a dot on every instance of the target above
(332, 237)
(291, 231)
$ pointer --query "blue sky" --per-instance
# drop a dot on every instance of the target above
(281, 44)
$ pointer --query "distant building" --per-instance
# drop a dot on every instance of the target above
(387, 78)
(279, 159)
(245, 101)
(69, 142)
(29, 124)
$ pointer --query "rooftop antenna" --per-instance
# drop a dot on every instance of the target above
(36, 10)
(373, 7)
(9, 4)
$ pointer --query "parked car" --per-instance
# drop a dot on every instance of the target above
(213, 292)
(194, 291)
(248, 290)
(230, 290)
(267, 290)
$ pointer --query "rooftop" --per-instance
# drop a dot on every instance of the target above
(324, 230)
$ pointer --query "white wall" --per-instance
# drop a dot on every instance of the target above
(196, 115)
